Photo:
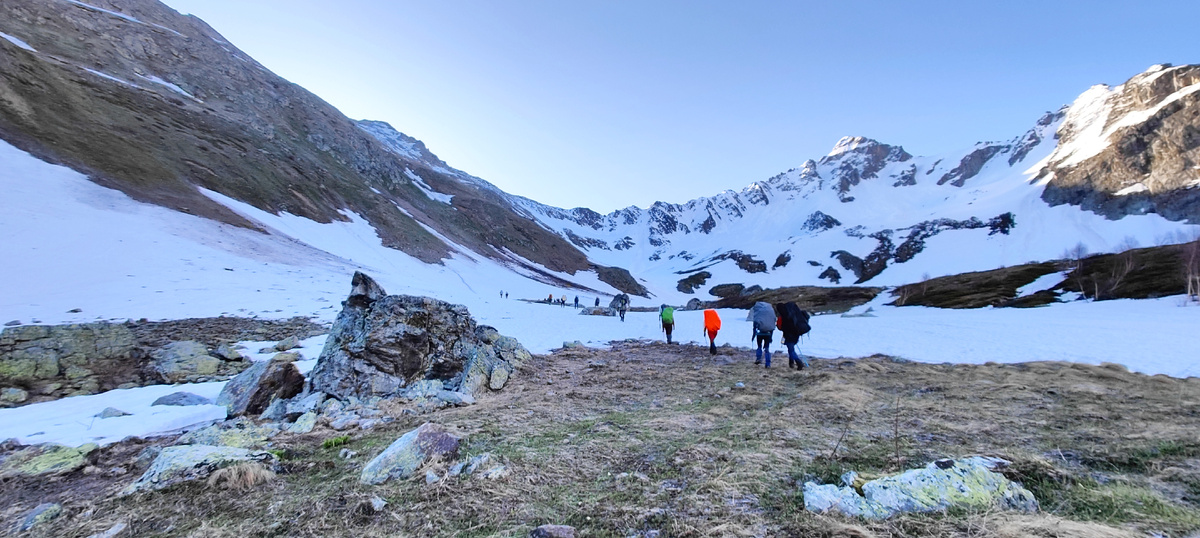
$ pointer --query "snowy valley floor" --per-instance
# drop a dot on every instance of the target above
(646, 437)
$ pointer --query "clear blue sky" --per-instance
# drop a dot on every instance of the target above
(611, 103)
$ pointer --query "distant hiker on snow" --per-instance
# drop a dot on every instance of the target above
(712, 324)
(597, 301)
(621, 303)
(793, 322)
(576, 301)
(667, 315)
(763, 316)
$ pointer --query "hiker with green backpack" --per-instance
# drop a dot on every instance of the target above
(667, 315)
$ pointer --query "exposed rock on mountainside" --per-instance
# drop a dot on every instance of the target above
(382, 343)
(1132, 149)
(189, 111)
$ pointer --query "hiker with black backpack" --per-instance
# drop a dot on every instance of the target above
(793, 322)
(763, 316)
(667, 315)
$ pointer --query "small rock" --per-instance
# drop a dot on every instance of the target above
(13, 395)
(42, 513)
(13, 323)
(112, 532)
(457, 399)
(347, 454)
(74, 310)
(237, 433)
(181, 398)
(431, 477)
(130, 385)
(344, 422)
(597, 364)
(572, 345)
(227, 352)
(50, 389)
(46, 459)
(553, 531)
(146, 457)
(287, 356)
(368, 423)
(110, 412)
(332, 407)
(377, 503)
(182, 362)
(495, 473)
(739, 385)
(290, 342)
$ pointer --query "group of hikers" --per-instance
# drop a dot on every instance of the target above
(561, 301)
(787, 317)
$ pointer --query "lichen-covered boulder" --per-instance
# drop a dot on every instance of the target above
(238, 433)
(404, 456)
(45, 459)
(969, 483)
(381, 344)
(177, 464)
(42, 513)
(181, 362)
(181, 398)
(250, 392)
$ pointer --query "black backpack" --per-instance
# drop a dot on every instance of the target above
(797, 318)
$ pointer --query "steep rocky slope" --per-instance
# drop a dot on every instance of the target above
(161, 107)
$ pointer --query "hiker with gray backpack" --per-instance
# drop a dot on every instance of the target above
(763, 316)
(793, 322)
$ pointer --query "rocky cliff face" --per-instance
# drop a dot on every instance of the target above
(160, 106)
(1132, 149)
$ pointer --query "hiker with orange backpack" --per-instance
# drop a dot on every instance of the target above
(712, 324)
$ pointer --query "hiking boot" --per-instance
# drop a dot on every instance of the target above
(712, 349)
(757, 362)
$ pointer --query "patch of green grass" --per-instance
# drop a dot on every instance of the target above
(334, 442)
(1117, 503)
(1142, 459)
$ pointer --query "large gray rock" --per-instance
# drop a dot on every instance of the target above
(380, 344)
(252, 391)
(43, 460)
(553, 531)
(970, 483)
(177, 464)
(181, 362)
(404, 456)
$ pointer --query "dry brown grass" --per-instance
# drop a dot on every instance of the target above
(659, 438)
(241, 477)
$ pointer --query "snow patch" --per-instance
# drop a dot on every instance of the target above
(425, 188)
(169, 85)
(17, 42)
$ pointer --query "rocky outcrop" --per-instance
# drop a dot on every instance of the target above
(691, 282)
(48, 459)
(381, 343)
(969, 484)
(405, 455)
(1132, 149)
(181, 362)
(68, 359)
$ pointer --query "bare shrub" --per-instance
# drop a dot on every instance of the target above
(242, 476)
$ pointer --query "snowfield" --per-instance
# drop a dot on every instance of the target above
(71, 244)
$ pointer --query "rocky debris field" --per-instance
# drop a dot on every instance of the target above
(649, 439)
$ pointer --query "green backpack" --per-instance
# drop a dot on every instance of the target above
(668, 315)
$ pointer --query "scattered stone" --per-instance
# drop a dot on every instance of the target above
(347, 454)
(110, 412)
(573, 345)
(275, 412)
(181, 398)
(250, 392)
(498, 377)
(476, 462)
(425, 388)
(304, 424)
(13, 395)
(13, 323)
(305, 403)
(235, 433)
(739, 385)
(112, 532)
(408, 453)
(381, 344)
(48, 459)
(553, 531)
(177, 464)
(457, 399)
(290, 342)
(287, 356)
(332, 407)
(495, 473)
(182, 362)
(227, 352)
(377, 503)
(431, 477)
(368, 424)
(970, 483)
(597, 311)
(74, 310)
(42, 513)
(344, 422)
(51, 388)
(597, 364)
